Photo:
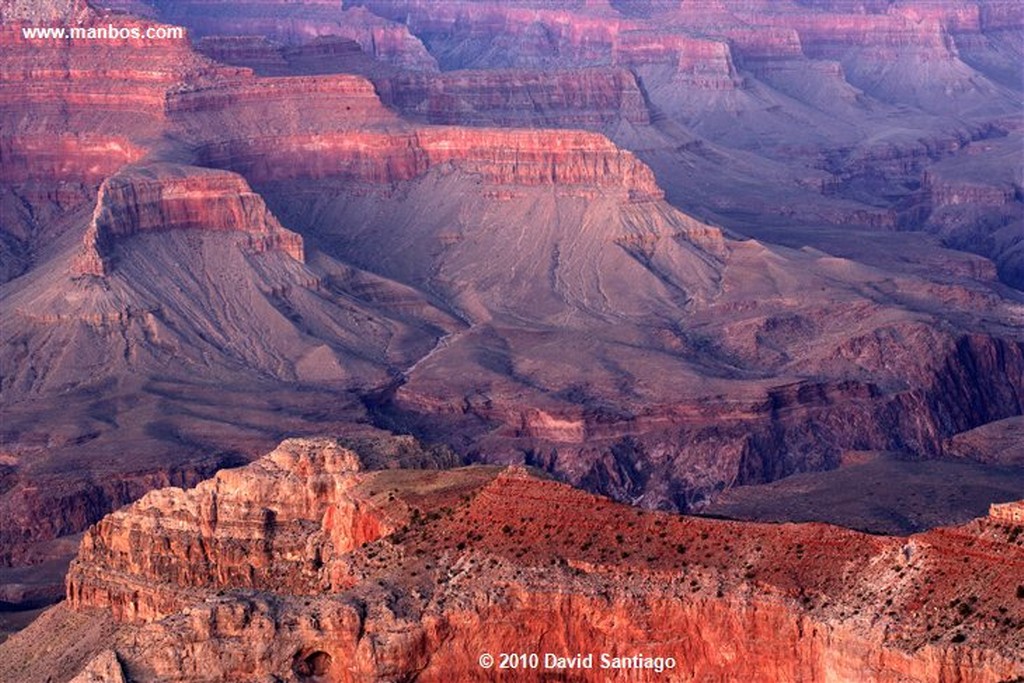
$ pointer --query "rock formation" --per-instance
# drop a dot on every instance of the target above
(296, 22)
(499, 157)
(104, 668)
(166, 197)
(303, 567)
(837, 58)
(593, 98)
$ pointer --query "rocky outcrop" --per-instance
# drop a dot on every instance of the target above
(299, 22)
(589, 98)
(496, 35)
(499, 157)
(481, 560)
(248, 98)
(257, 529)
(104, 668)
(169, 197)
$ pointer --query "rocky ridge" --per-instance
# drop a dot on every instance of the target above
(377, 575)
(499, 157)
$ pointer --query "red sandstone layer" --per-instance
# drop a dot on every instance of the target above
(365, 576)
(501, 157)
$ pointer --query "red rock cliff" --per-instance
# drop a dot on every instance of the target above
(501, 157)
(78, 109)
(255, 526)
(171, 197)
(373, 576)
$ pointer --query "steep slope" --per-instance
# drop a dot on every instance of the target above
(153, 225)
(378, 576)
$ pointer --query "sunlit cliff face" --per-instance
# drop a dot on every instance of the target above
(462, 551)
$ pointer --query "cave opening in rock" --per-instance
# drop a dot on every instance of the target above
(312, 664)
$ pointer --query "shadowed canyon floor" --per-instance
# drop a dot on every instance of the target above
(691, 256)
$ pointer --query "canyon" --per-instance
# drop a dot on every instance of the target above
(697, 259)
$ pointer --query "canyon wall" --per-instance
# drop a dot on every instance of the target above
(375, 575)
(255, 525)
(500, 157)
(590, 98)
(78, 109)
(298, 22)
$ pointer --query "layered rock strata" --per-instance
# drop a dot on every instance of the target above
(297, 22)
(76, 110)
(499, 157)
(273, 524)
(587, 98)
(328, 573)
(170, 197)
